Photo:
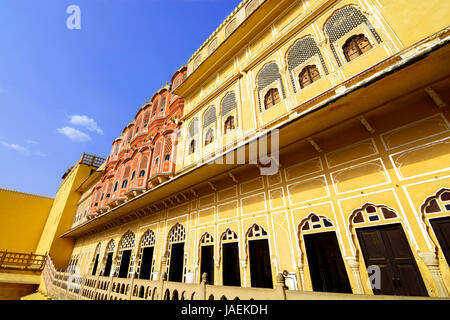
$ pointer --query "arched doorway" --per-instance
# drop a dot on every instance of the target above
(175, 257)
(126, 246)
(109, 258)
(96, 258)
(259, 256)
(436, 215)
(383, 243)
(326, 265)
(207, 257)
(231, 275)
(145, 264)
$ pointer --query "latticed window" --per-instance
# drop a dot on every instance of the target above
(146, 118)
(162, 104)
(142, 173)
(209, 137)
(148, 239)
(229, 235)
(315, 222)
(124, 184)
(308, 75)
(167, 149)
(144, 161)
(372, 213)
(108, 190)
(271, 98)
(207, 238)
(356, 46)
(126, 173)
(256, 231)
(229, 124)
(193, 128)
(178, 234)
(127, 241)
(110, 247)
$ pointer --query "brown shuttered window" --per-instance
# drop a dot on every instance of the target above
(356, 46)
(308, 75)
(271, 98)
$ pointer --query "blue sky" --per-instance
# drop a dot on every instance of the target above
(64, 92)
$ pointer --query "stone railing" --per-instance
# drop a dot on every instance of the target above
(21, 261)
(70, 286)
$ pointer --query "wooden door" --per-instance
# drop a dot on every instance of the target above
(387, 247)
(441, 227)
(260, 269)
(326, 265)
(207, 263)
(94, 271)
(124, 263)
(230, 264)
(176, 262)
(108, 264)
(146, 264)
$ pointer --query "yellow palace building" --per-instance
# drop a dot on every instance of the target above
(310, 161)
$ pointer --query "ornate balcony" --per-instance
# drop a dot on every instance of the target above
(72, 286)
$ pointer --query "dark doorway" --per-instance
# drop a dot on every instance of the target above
(207, 263)
(441, 227)
(124, 263)
(326, 265)
(230, 265)
(176, 262)
(94, 271)
(260, 270)
(146, 264)
(387, 247)
(108, 264)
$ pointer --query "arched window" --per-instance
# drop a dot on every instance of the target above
(167, 149)
(142, 173)
(124, 264)
(162, 104)
(133, 175)
(192, 147)
(356, 46)
(144, 162)
(229, 124)
(146, 118)
(115, 186)
(209, 137)
(271, 98)
(308, 75)
(124, 184)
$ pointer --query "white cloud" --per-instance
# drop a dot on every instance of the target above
(74, 134)
(86, 122)
(13, 146)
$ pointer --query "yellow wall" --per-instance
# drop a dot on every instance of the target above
(398, 165)
(61, 217)
(23, 218)
(272, 41)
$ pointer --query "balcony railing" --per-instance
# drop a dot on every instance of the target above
(70, 286)
(91, 160)
(21, 261)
